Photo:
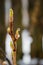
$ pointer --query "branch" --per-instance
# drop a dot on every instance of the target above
(14, 37)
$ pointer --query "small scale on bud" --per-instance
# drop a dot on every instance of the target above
(17, 31)
(11, 15)
(17, 35)
(11, 12)
(8, 30)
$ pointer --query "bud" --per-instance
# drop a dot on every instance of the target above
(8, 30)
(17, 31)
(11, 15)
(5, 63)
(11, 12)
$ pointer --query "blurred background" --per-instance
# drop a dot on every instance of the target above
(28, 16)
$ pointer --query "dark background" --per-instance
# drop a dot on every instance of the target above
(37, 31)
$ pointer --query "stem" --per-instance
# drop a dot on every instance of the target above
(10, 31)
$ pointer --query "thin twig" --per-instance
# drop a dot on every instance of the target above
(14, 37)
